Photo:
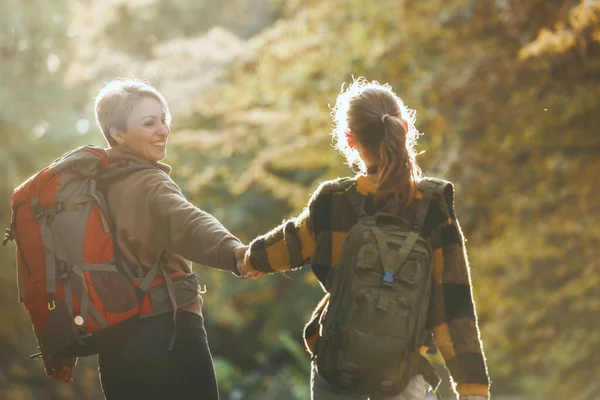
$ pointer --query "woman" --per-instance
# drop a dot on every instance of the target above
(152, 215)
(376, 132)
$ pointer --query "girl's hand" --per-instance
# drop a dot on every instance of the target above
(251, 275)
(240, 264)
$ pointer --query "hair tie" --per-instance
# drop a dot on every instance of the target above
(383, 117)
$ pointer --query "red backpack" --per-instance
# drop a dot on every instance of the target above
(80, 295)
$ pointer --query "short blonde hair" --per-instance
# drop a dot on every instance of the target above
(115, 101)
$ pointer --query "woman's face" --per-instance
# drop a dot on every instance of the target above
(147, 129)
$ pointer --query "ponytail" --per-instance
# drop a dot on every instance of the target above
(385, 128)
(397, 186)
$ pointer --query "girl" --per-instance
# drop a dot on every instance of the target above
(375, 131)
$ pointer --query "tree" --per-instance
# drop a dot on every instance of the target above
(506, 94)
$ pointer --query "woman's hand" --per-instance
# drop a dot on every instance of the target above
(62, 375)
(240, 264)
(59, 369)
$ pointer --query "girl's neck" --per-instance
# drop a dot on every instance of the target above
(372, 174)
(373, 178)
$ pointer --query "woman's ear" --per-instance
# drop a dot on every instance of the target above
(350, 139)
(117, 135)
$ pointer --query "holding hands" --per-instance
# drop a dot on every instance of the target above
(240, 264)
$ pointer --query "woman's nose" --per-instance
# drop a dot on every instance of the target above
(163, 130)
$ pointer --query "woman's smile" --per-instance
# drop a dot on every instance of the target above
(148, 129)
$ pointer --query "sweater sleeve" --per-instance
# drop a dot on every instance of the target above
(454, 317)
(194, 234)
(289, 245)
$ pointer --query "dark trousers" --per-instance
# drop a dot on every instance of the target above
(143, 368)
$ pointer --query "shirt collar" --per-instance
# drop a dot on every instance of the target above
(364, 186)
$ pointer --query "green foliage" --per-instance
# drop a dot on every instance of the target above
(506, 94)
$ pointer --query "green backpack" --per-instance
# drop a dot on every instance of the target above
(375, 322)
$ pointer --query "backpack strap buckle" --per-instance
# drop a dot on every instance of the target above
(48, 212)
(9, 233)
(51, 211)
(36, 208)
(388, 277)
(386, 386)
(345, 379)
(62, 268)
(416, 228)
(165, 257)
(8, 236)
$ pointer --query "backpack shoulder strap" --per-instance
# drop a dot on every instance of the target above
(393, 261)
(430, 187)
(348, 186)
(340, 185)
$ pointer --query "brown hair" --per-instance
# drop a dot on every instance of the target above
(381, 123)
(115, 101)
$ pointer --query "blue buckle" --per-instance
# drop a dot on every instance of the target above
(388, 277)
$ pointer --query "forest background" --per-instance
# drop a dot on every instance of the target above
(507, 94)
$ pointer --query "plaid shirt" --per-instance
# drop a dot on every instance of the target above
(317, 235)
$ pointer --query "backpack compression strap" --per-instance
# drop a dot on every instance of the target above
(392, 261)
(159, 267)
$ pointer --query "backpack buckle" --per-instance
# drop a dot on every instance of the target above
(63, 271)
(416, 228)
(165, 257)
(387, 386)
(345, 379)
(38, 211)
(51, 211)
(8, 236)
(388, 277)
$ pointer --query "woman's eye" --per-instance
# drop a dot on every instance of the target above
(149, 123)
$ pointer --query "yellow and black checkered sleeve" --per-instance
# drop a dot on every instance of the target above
(453, 315)
(289, 245)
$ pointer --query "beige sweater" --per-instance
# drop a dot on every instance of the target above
(151, 214)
